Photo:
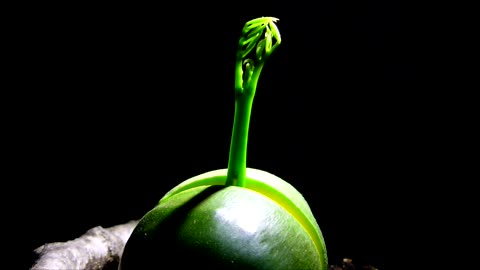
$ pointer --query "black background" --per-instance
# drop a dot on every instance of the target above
(115, 105)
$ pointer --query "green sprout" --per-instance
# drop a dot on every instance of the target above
(260, 37)
(236, 217)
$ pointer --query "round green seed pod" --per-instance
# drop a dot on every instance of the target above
(204, 224)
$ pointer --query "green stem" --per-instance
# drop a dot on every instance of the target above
(251, 56)
(237, 162)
